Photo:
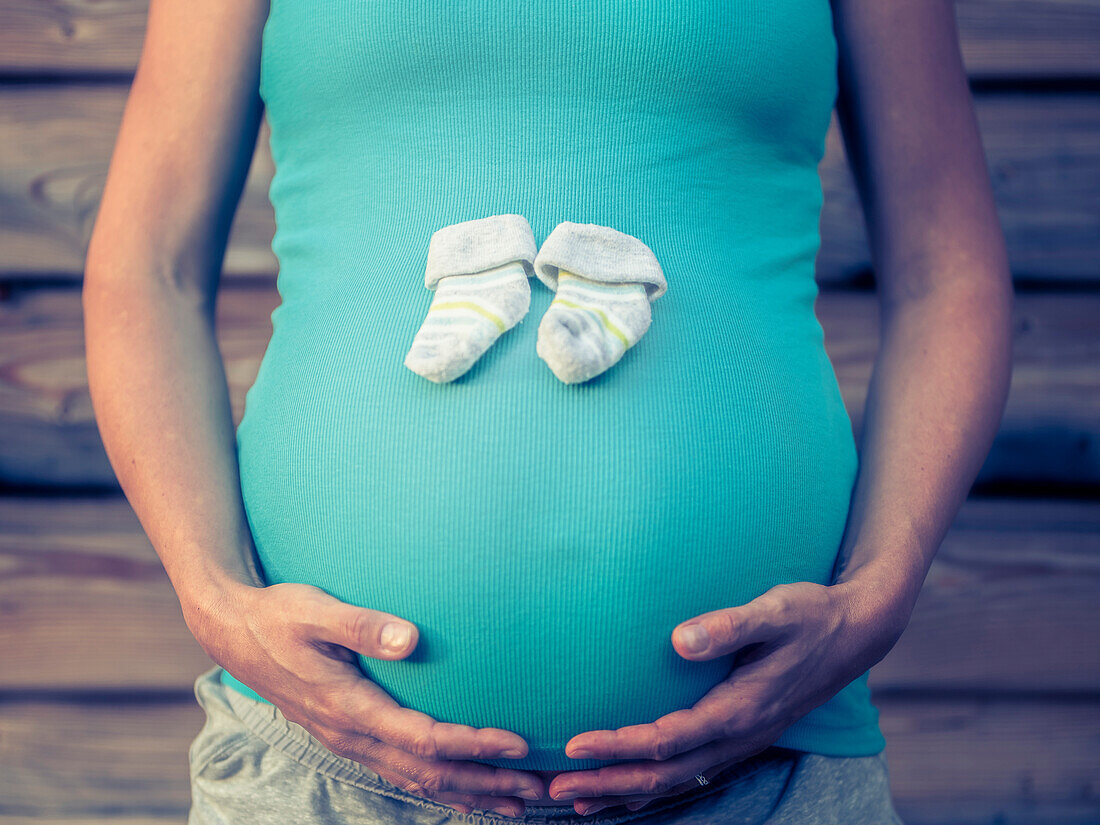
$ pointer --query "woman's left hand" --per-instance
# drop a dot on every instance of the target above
(797, 645)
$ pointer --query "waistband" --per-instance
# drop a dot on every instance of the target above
(267, 722)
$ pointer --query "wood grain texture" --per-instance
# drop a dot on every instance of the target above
(962, 762)
(57, 142)
(86, 604)
(1029, 38)
(1009, 604)
(71, 37)
(992, 762)
(1043, 154)
(1043, 158)
(68, 759)
(50, 436)
(998, 37)
(1050, 431)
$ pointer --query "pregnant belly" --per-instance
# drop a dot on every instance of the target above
(545, 539)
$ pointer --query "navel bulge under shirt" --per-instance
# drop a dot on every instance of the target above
(546, 538)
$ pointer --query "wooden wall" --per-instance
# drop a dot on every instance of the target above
(989, 701)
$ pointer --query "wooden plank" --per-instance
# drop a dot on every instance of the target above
(1050, 431)
(57, 144)
(1009, 603)
(1029, 38)
(1043, 153)
(62, 759)
(954, 761)
(74, 37)
(50, 436)
(77, 37)
(78, 578)
(1035, 38)
(979, 761)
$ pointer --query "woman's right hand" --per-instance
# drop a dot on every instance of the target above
(295, 645)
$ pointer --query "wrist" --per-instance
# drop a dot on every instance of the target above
(878, 606)
(212, 601)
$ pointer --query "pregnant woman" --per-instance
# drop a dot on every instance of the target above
(655, 592)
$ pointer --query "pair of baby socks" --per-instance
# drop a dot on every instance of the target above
(604, 282)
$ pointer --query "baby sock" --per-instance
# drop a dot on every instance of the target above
(479, 271)
(467, 315)
(589, 326)
(605, 281)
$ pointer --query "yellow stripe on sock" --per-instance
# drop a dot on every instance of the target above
(470, 305)
(606, 321)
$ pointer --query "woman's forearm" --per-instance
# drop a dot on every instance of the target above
(161, 401)
(934, 404)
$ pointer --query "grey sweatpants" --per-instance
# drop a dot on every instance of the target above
(251, 766)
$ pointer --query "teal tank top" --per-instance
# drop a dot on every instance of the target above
(546, 538)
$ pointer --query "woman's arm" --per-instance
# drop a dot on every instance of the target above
(937, 393)
(942, 372)
(162, 405)
(155, 374)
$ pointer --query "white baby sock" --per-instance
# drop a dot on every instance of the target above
(479, 271)
(605, 281)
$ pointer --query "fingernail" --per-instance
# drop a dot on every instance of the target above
(513, 753)
(529, 793)
(507, 810)
(580, 753)
(395, 636)
(566, 794)
(633, 806)
(584, 810)
(694, 637)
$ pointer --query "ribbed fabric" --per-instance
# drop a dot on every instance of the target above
(546, 538)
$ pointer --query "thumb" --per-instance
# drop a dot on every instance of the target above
(370, 632)
(721, 632)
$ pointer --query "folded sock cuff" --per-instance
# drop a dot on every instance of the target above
(599, 253)
(483, 243)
